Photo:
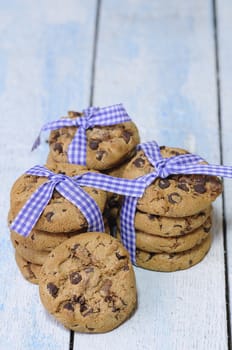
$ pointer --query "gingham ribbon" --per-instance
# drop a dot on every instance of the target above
(93, 116)
(182, 164)
(69, 187)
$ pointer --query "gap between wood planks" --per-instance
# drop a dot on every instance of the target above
(224, 225)
(91, 98)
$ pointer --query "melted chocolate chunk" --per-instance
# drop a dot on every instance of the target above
(53, 289)
(100, 154)
(125, 268)
(83, 308)
(90, 311)
(49, 216)
(183, 187)
(174, 198)
(163, 183)
(199, 188)
(58, 147)
(79, 300)
(68, 306)
(93, 144)
(206, 228)
(119, 257)
(106, 286)
(139, 162)
(75, 277)
(126, 136)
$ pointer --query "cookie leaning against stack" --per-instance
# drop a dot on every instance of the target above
(173, 218)
(59, 221)
(88, 283)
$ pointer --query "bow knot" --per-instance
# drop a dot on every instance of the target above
(93, 116)
(162, 168)
(57, 177)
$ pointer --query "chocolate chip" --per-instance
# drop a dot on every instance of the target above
(93, 144)
(49, 216)
(83, 308)
(108, 298)
(33, 237)
(53, 289)
(75, 277)
(79, 300)
(164, 183)
(190, 262)
(170, 256)
(174, 198)
(94, 191)
(152, 216)
(183, 187)
(199, 188)
(16, 242)
(162, 147)
(90, 311)
(58, 147)
(68, 306)
(126, 136)
(115, 309)
(206, 229)
(139, 162)
(125, 268)
(100, 154)
(175, 153)
(89, 269)
(151, 255)
(119, 256)
(106, 286)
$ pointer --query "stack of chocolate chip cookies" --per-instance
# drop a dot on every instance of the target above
(173, 218)
(59, 221)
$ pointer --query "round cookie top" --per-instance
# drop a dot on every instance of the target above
(176, 195)
(88, 283)
(107, 146)
(60, 215)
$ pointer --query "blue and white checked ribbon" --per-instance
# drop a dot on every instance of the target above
(182, 164)
(93, 116)
(69, 187)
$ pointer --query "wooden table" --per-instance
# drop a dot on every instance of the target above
(170, 63)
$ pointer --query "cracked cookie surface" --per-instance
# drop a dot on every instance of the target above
(107, 146)
(176, 195)
(88, 283)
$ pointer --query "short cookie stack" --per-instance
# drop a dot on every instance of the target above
(59, 221)
(173, 218)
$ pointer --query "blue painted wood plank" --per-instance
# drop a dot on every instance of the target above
(45, 69)
(157, 57)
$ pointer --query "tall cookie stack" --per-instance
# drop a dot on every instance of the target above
(173, 218)
(59, 221)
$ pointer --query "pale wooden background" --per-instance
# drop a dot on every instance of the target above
(170, 63)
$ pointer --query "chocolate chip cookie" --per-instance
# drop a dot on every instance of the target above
(88, 283)
(107, 146)
(60, 215)
(177, 195)
(175, 261)
(170, 226)
(29, 271)
(158, 244)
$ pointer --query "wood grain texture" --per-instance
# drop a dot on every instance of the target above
(45, 69)
(158, 59)
(224, 15)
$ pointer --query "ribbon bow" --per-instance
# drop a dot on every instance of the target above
(93, 116)
(182, 164)
(69, 187)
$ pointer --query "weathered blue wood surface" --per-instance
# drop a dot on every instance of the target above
(159, 59)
